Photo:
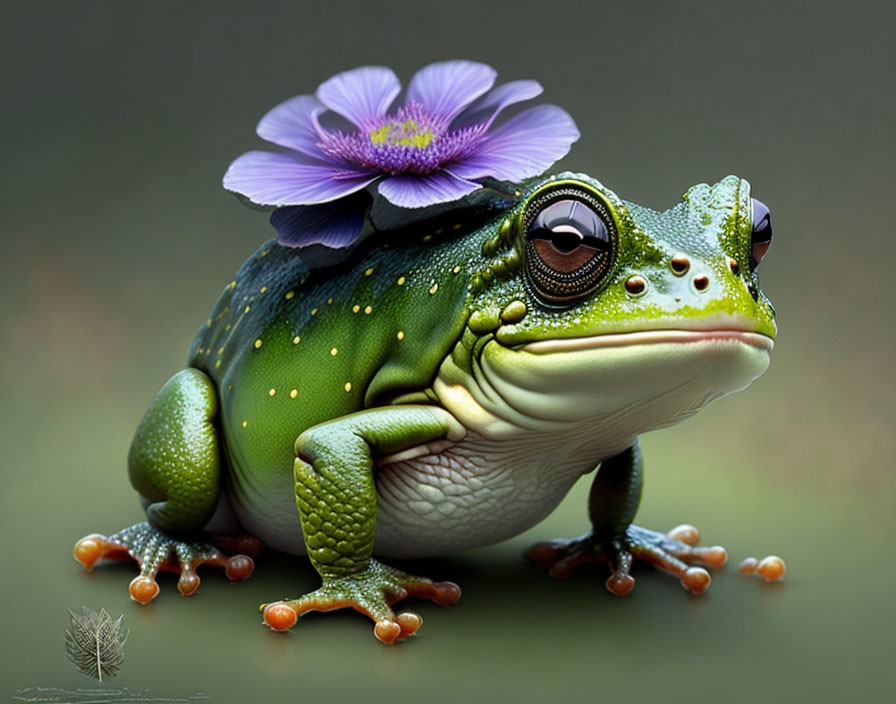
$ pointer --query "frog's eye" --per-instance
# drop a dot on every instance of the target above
(761, 237)
(570, 245)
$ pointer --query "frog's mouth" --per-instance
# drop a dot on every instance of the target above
(636, 380)
(647, 337)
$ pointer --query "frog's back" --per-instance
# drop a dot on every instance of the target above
(292, 345)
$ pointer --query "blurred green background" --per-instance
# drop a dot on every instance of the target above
(118, 121)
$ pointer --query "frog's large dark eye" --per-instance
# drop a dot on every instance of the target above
(570, 245)
(761, 237)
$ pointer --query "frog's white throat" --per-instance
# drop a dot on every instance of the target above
(614, 387)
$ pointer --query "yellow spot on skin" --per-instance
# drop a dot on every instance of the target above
(348, 386)
(440, 230)
(329, 301)
(208, 323)
(400, 335)
(456, 269)
(334, 352)
(514, 312)
(296, 340)
(257, 344)
(356, 308)
(314, 311)
(456, 227)
(227, 327)
(245, 423)
(247, 309)
(293, 393)
(289, 295)
(217, 364)
(271, 392)
(232, 285)
(221, 350)
(263, 289)
(368, 272)
(368, 310)
(401, 281)
(433, 288)
(264, 253)
(427, 238)
(199, 351)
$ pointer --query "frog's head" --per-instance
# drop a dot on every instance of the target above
(590, 306)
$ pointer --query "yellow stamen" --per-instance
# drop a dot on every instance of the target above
(405, 134)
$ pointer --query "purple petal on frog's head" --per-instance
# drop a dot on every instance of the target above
(336, 224)
(447, 87)
(294, 124)
(361, 95)
(487, 108)
(269, 178)
(418, 190)
(524, 146)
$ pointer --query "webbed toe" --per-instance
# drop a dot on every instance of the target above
(372, 593)
(675, 553)
(153, 551)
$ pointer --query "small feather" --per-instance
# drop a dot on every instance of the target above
(95, 643)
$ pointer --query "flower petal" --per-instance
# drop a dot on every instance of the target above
(493, 102)
(447, 87)
(418, 191)
(336, 224)
(293, 124)
(360, 95)
(269, 178)
(524, 146)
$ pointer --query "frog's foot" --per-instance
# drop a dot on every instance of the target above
(152, 550)
(371, 592)
(675, 553)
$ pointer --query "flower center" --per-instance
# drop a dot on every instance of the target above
(403, 134)
(410, 141)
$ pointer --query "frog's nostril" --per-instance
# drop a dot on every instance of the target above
(636, 285)
(680, 264)
(701, 282)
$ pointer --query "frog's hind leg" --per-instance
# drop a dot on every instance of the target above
(175, 464)
(614, 499)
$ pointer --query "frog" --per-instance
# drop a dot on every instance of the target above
(442, 387)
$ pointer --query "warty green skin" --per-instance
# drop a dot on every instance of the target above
(309, 377)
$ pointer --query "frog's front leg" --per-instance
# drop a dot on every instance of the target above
(175, 464)
(336, 499)
(615, 495)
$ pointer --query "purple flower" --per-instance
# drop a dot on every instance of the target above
(432, 149)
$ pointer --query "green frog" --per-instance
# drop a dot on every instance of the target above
(442, 388)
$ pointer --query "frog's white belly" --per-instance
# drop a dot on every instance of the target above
(473, 494)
